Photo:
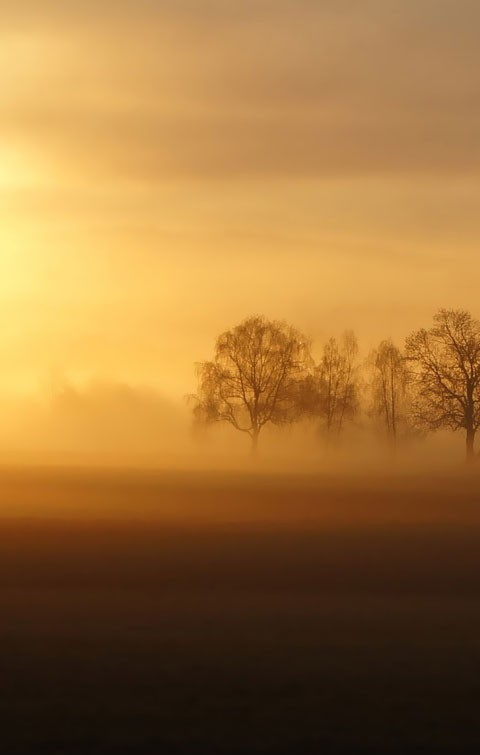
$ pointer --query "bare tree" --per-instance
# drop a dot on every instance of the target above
(254, 378)
(333, 392)
(445, 363)
(389, 387)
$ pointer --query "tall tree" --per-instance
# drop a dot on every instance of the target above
(389, 389)
(333, 392)
(254, 378)
(445, 362)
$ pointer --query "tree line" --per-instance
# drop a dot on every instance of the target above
(263, 373)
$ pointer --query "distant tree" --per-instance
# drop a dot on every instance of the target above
(254, 378)
(445, 363)
(332, 394)
(389, 387)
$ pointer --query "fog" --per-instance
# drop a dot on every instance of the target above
(98, 423)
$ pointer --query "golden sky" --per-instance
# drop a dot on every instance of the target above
(168, 167)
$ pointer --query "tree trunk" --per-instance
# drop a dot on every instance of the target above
(255, 434)
(470, 445)
(393, 446)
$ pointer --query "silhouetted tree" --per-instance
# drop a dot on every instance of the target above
(333, 392)
(445, 362)
(389, 386)
(254, 378)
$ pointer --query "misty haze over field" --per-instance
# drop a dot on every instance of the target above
(108, 424)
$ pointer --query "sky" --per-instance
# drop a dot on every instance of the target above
(168, 168)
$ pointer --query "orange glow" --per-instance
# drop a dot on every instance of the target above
(162, 177)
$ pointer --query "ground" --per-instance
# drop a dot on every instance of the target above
(228, 613)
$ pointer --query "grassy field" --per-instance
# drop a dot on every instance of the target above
(221, 613)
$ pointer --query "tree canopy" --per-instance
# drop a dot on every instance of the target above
(389, 389)
(445, 365)
(262, 373)
(254, 377)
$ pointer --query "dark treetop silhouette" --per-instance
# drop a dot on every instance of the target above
(262, 373)
(445, 366)
(332, 391)
(254, 378)
(390, 390)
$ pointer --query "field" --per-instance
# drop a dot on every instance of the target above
(227, 613)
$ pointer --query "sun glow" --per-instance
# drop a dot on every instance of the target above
(19, 170)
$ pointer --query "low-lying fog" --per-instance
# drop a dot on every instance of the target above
(117, 424)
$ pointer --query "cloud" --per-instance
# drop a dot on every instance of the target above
(150, 91)
(112, 419)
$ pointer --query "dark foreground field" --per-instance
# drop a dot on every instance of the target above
(223, 614)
